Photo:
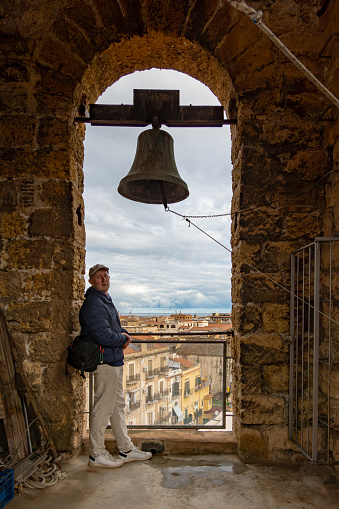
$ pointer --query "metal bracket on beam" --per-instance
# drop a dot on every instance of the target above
(150, 103)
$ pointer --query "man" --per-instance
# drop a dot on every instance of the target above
(99, 316)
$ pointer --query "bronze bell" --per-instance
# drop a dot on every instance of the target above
(154, 177)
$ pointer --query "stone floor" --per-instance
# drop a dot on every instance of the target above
(202, 481)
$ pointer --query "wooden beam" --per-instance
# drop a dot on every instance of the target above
(147, 104)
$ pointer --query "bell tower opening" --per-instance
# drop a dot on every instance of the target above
(157, 266)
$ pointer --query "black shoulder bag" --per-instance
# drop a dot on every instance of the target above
(84, 353)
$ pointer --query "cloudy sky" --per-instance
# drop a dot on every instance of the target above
(157, 263)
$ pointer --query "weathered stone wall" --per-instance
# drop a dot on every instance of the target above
(59, 55)
(329, 378)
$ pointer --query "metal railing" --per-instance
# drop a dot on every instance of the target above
(166, 397)
(312, 356)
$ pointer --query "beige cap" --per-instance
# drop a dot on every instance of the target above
(96, 267)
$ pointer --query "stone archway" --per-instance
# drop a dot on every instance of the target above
(64, 54)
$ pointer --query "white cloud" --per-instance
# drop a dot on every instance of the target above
(155, 259)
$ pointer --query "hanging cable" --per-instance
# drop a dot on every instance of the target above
(250, 265)
(212, 215)
(256, 17)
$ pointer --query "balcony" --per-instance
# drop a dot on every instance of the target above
(151, 373)
(133, 379)
(132, 407)
(160, 395)
(202, 385)
(188, 393)
(188, 420)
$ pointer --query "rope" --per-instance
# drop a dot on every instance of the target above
(252, 266)
(256, 17)
(47, 475)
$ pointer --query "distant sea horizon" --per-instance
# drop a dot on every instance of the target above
(165, 312)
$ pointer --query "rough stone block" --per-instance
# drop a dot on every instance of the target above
(257, 288)
(278, 440)
(51, 53)
(14, 72)
(300, 225)
(250, 380)
(29, 316)
(246, 318)
(14, 99)
(55, 83)
(251, 440)
(55, 378)
(12, 225)
(48, 284)
(275, 318)
(308, 164)
(263, 409)
(277, 256)
(64, 440)
(54, 133)
(263, 349)
(29, 254)
(244, 254)
(58, 407)
(51, 223)
(33, 372)
(10, 286)
(61, 316)
(8, 196)
(67, 255)
(17, 131)
(276, 377)
(260, 224)
(42, 164)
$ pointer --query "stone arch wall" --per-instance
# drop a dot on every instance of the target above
(54, 59)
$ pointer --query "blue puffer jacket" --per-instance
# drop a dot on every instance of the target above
(99, 316)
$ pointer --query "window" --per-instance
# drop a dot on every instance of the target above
(131, 370)
(150, 418)
(161, 387)
(187, 388)
(175, 389)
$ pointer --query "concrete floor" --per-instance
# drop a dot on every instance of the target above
(186, 481)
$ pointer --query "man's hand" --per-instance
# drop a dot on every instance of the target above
(125, 345)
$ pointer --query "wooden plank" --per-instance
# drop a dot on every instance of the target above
(14, 421)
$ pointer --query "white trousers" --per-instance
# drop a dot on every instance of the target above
(109, 405)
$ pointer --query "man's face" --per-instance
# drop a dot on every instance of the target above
(100, 280)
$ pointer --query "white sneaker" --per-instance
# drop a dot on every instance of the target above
(135, 455)
(105, 460)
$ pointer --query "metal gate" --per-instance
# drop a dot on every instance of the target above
(314, 331)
